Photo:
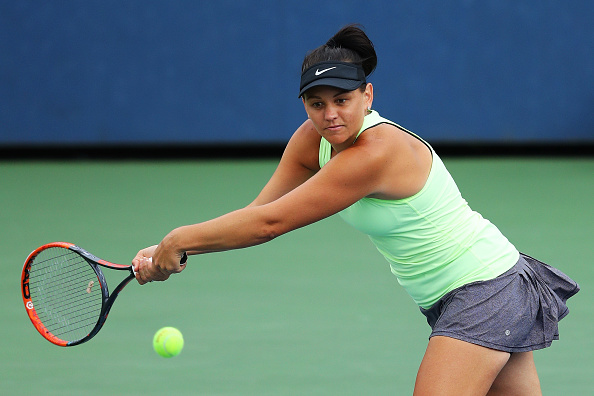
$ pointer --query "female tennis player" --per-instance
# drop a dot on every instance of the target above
(489, 306)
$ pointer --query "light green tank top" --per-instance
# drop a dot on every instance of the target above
(433, 241)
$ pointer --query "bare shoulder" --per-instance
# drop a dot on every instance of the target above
(385, 142)
(402, 160)
(304, 146)
(298, 164)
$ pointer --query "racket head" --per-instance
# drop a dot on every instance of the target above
(64, 292)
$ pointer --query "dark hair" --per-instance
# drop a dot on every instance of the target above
(349, 44)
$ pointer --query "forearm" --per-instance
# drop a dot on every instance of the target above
(239, 229)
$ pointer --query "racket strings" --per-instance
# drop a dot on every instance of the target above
(66, 293)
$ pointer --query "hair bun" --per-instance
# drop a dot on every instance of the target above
(331, 43)
(349, 44)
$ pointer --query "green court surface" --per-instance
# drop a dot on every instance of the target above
(314, 312)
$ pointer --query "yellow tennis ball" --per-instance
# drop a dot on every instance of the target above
(168, 342)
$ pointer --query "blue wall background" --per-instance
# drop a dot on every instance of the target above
(227, 71)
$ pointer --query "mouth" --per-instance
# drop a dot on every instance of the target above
(334, 128)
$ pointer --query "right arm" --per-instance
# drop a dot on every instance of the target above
(298, 163)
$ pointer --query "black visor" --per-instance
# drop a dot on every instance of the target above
(343, 75)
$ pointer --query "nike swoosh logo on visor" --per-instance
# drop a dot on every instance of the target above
(318, 71)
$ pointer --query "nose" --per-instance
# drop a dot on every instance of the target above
(330, 113)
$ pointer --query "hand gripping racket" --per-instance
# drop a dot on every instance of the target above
(65, 293)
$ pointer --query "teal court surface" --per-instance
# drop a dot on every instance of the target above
(314, 312)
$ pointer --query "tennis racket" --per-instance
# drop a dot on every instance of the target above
(65, 293)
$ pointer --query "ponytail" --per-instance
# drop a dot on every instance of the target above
(350, 44)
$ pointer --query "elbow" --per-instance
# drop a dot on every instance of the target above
(269, 224)
(271, 230)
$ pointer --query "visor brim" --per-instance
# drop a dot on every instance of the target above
(347, 85)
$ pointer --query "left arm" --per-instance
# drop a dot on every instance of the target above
(350, 176)
(382, 164)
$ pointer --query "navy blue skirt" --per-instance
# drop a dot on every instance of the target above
(518, 311)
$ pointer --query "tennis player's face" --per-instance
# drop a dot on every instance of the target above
(337, 114)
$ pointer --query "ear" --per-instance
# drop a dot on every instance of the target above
(368, 95)
(305, 107)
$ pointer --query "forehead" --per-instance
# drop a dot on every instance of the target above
(324, 91)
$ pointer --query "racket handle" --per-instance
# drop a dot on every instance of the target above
(182, 261)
